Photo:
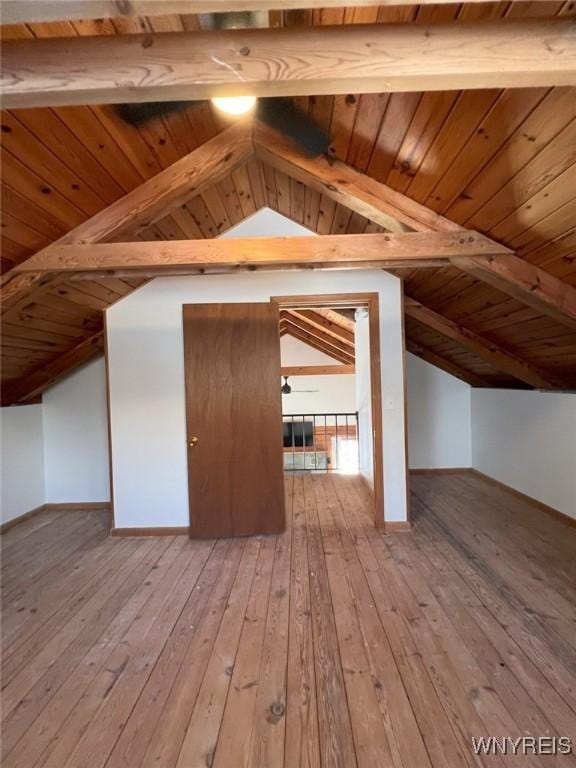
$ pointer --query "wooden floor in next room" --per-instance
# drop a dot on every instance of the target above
(329, 645)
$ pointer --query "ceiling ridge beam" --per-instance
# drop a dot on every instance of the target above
(143, 206)
(48, 374)
(339, 59)
(488, 350)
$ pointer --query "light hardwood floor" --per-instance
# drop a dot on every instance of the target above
(329, 645)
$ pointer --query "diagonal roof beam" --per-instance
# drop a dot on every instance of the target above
(488, 350)
(347, 186)
(322, 323)
(526, 283)
(146, 204)
(313, 342)
(330, 342)
(343, 318)
(49, 373)
(355, 58)
(506, 272)
(445, 365)
(299, 331)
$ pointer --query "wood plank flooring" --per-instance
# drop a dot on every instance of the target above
(329, 645)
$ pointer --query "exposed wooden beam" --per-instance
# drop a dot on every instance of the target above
(316, 370)
(145, 205)
(347, 186)
(48, 374)
(370, 251)
(512, 275)
(317, 320)
(295, 318)
(316, 343)
(526, 283)
(499, 358)
(326, 336)
(288, 62)
(33, 11)
(443, 364)
(329, 342)
(344, 318)
(220, 269)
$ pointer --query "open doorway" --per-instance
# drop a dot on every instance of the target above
(331, 396)
(319, 402)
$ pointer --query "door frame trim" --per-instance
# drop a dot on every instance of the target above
(371, 302)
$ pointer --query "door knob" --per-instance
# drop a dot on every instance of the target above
(193, 441)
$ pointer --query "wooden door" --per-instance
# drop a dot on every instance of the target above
(234, 419)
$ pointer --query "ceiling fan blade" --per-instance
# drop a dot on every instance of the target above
(281, 114)
(284, 116)
(139, 114)
(234, 20)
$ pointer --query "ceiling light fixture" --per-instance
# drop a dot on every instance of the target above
(235, 105)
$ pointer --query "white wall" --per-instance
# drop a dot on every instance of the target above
(147, 383)
(364, 397)
(296, 352)
(76, 437)
(22, 474)
(329, 394)
(58, 451)
(267, 223)
(527, 440)
(439, 421)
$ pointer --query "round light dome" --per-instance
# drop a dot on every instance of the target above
(235, 105)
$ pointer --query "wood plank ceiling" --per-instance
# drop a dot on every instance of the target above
(499, 161)
(324, 330)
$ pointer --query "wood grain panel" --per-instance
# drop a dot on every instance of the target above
(279, 62)
(458, 147)
(29, 11)
(337, 641)
(231, 352)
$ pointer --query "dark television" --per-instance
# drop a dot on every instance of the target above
(298, 434)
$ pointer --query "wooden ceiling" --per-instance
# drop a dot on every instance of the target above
(325, 330)
(502, 162)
